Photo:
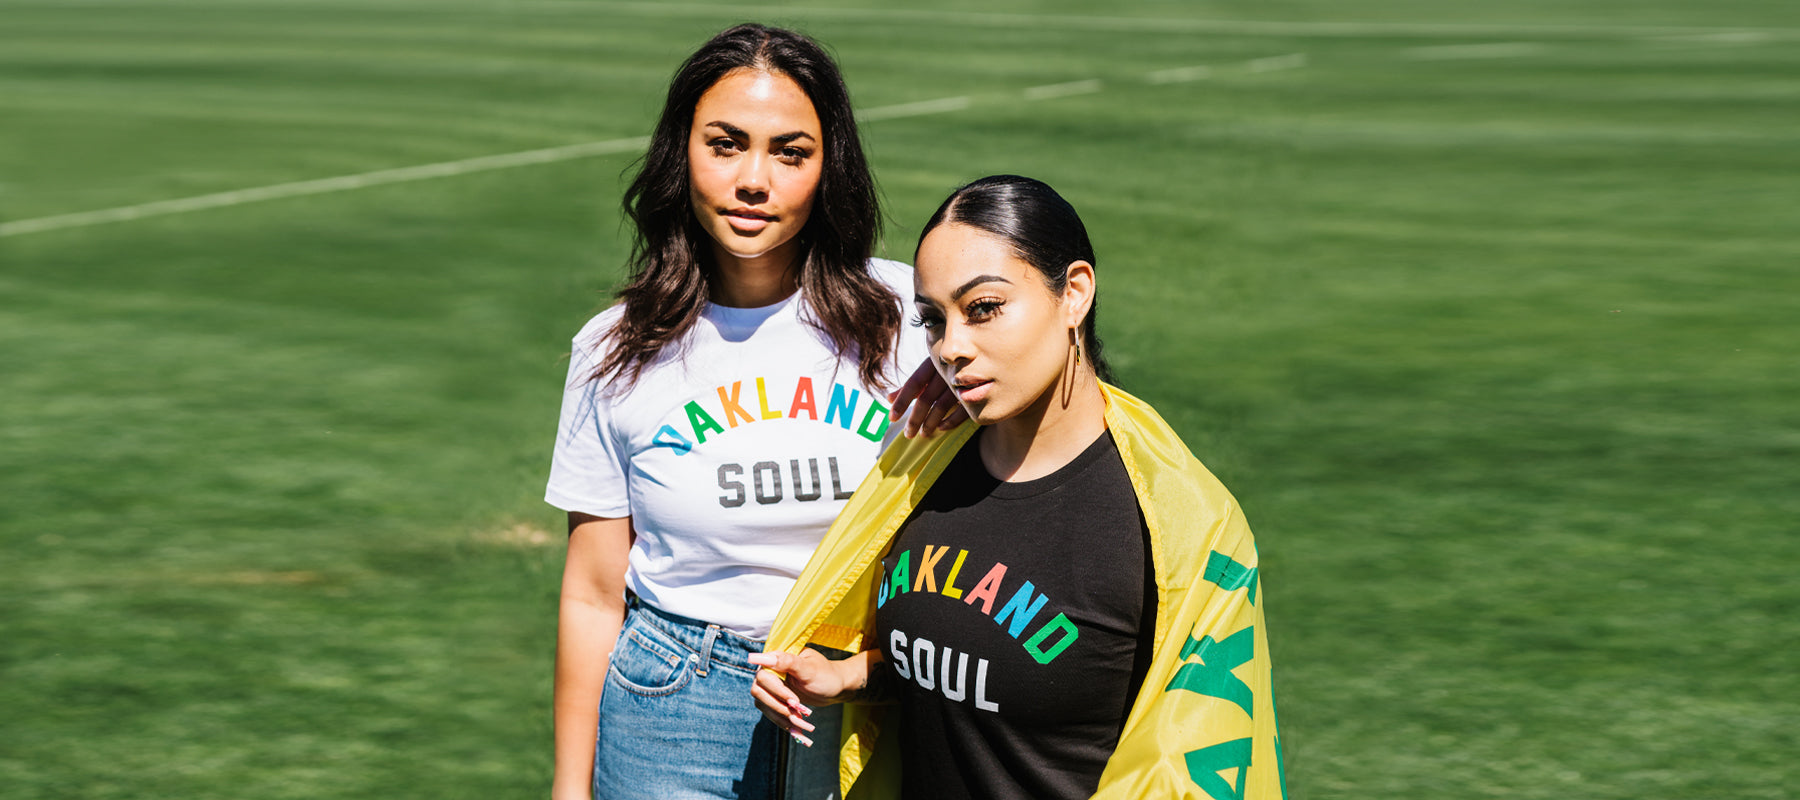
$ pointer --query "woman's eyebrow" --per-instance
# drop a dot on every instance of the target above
(961, 290)
(739, 133)
(729, 129)
(974, 282)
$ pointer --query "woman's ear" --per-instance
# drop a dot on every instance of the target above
(1078, 293)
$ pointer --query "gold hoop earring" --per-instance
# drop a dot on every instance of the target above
(1068, 376)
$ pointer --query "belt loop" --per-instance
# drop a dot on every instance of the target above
(706, 646)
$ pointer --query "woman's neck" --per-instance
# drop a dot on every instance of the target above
(1050, 433)
(755, 281)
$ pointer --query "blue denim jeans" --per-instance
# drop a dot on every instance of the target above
(676, 718)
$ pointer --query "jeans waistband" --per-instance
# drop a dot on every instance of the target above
(709, 644)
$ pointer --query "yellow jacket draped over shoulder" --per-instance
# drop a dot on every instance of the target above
(1203, 724)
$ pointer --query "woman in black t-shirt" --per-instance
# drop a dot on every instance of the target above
(1023, 617)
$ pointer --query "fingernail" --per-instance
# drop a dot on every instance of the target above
(761, 659)
(802, 724)
(804, 711)
(801, 739)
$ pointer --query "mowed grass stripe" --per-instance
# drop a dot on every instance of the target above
(1039, 20)
(525, 158)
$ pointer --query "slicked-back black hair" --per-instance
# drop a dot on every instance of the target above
(1042, 229)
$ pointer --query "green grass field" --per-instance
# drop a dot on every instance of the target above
(1486, 312)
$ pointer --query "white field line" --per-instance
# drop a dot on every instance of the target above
(1274, 63)
(919, 109)
(1180, 74)
(341, 183)
(401, 175)
(1725, 37)
(1062, 89)
(1204, 71)
(1471, 51)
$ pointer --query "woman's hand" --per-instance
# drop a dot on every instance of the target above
(934, 406)
(786, 681)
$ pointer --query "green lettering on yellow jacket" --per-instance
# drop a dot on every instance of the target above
(1204, 765)
(1211, 676)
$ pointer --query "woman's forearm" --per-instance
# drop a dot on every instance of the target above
(589, 617)
(585, 637)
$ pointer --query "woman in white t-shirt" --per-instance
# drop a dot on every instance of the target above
(718, 416)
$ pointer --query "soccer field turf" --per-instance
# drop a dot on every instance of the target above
(1486, 313)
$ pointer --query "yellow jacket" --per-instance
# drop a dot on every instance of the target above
(1203, 725)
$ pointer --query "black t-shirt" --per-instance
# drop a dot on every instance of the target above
(1018, 618)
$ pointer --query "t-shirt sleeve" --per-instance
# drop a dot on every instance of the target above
(588, 466)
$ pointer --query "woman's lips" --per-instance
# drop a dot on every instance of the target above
(747, 221)
(972, 391)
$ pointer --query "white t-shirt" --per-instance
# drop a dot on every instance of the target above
(732, 453)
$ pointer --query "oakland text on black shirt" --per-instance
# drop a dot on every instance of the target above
(1018, 618)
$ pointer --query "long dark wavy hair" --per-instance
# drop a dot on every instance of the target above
(671, 260)
(1042, 229)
